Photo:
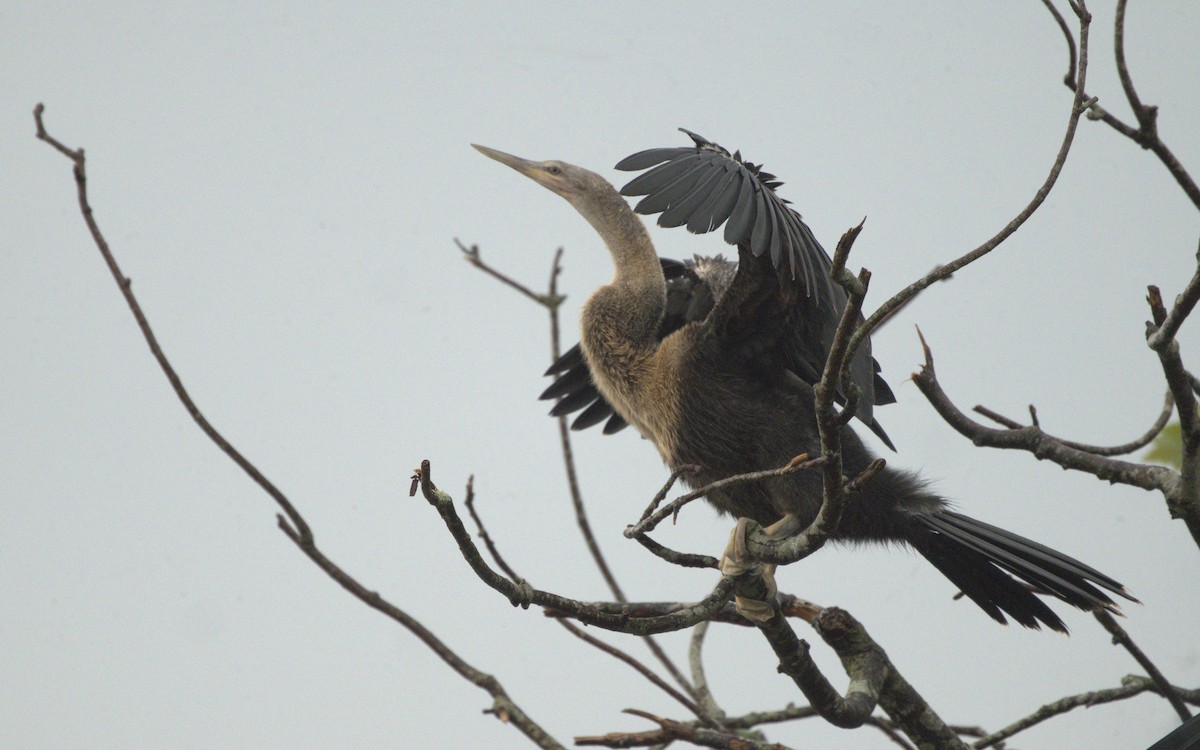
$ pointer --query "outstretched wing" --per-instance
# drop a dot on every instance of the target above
(782, 302)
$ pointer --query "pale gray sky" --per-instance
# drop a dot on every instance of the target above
(283, 183)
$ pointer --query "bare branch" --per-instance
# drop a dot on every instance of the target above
(586, 638)
(126, 287)
(1184, 504)
(873, 679)
(698, 736)
(640, 668)
(1121, 638)
(1146, 134)
(696, 665)
(864, 661)
(1037, 442)
(1130, 686)
(683, 559)
(1184, 304)
(290, 521)
(1123, 449)
(552, 300)
(789, 606)
(472, 256)
(648, 523)
(523, 594)
(1069, 78)
(1079, 104)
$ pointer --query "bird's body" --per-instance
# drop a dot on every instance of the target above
(715, 366)
(700, 406)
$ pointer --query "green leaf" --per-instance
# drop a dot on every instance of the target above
(1167, 448)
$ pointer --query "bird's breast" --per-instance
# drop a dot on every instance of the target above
(641, 386)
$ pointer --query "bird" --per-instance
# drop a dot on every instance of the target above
(714, 362)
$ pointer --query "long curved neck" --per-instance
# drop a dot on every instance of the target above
(637, 295)
(621, 320)
(623, 231)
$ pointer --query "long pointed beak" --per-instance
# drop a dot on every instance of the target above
(524, 166)
(534, 170)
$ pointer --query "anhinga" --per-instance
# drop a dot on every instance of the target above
(715, 364)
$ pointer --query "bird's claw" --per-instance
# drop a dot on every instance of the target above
(735, 561)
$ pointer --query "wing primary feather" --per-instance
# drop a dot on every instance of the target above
(741, 219)
(572, 358)
(567, 383)
(575, 401)
(681, 210)
(760, 238)
(778, 237)
(650, 157)
(815, 258)
(615, 424)
(792, 247)
(661, 198)
(666, 176)
(715, 210)
(657, 178)
(594, 414)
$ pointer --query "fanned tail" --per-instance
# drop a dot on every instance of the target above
(979, 558)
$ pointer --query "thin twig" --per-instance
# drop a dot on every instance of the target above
(693, 734)
(1184, 304)
(524, 595)
(662, 493)
(290, 522)
(126, 287)
(1146, 134)
(648, 523)
(1035, 441)
(640, 668)
(1069, 78)
(481, 532)
(1120, 637)
(1079, 104)
(682, 559)
(1130, 687)
(699, 679)
(471, 255)
(1123, 449)
(552, 300)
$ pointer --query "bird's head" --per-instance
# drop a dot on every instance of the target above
(576, 184)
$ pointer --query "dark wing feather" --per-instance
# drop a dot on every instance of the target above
(650, 157)
(793, 307)
(595, 414)
(714, 211)
(758, 210)
(568, 383)
(681, 210)
(575, 400)
(741, 219)
(676, 184)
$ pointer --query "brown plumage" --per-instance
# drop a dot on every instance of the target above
(717, 370)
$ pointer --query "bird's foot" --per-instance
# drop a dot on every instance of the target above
(735, 561)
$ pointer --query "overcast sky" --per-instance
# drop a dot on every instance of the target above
(284, 183)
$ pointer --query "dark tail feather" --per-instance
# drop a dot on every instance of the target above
(975, 557)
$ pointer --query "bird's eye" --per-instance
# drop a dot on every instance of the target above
(552, 169)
